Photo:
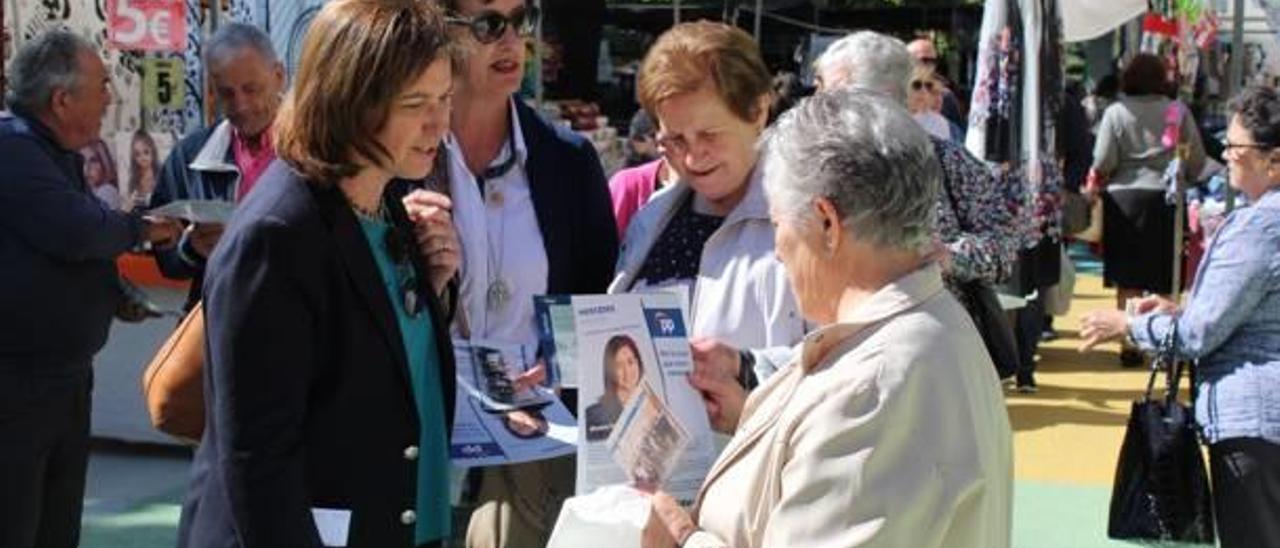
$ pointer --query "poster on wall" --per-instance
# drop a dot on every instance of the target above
(162, 83)
(100, 173)
(147, 25)
(140, 155)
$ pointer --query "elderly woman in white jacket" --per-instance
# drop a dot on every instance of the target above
(709, 90)
(889, 429)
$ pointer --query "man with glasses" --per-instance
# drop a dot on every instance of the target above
(532, 210)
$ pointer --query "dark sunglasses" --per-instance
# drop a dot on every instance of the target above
(921, 84)
(489, 26)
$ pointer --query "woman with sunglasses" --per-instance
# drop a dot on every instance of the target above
(924, 100)
(1230, 324)
(532, 210)
(329, 374)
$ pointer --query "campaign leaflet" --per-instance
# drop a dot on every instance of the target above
(633, 360)
(197, 211)
(556, 334)
(496, 421)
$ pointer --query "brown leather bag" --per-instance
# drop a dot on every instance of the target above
(173, 385)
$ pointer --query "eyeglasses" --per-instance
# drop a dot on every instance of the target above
(928, 60)
(678, 145)
(489, 26)
(1245, 146)
(922, 84)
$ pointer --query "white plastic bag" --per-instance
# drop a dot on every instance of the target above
(614, 515)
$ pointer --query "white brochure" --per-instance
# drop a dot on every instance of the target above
(197, 211)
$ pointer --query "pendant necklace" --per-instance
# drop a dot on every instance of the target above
(499, 292)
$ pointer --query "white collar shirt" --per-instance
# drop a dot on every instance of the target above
(501, 241)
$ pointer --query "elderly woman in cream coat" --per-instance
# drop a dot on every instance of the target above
(889, 429)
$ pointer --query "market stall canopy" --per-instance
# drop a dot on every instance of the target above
(1088, 19)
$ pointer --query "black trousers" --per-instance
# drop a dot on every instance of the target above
(44, 453)
(1246, 492)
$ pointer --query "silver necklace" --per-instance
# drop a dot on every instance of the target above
(499, 292)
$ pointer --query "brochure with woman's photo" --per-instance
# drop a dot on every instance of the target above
(647, 440)
(627, 345)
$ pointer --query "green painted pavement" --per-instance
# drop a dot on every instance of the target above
(1049, 515)
(153, 525)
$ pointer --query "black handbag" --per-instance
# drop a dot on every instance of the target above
(1076, 213)
(988, 316)
(1161, 489)
(993, 325)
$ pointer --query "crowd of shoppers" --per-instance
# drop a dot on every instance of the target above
(398, 195)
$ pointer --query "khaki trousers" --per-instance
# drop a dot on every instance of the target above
(517, 505)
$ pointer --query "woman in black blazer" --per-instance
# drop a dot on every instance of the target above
(329, 378)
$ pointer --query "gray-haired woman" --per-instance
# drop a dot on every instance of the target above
(890, 429)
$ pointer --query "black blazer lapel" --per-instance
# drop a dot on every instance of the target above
(353, 250)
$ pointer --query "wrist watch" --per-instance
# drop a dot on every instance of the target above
(747, 370)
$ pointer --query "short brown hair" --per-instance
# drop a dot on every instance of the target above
(357, 57)
(1144, 75)
(692, 54)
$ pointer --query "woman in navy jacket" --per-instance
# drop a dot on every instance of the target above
(329, 377)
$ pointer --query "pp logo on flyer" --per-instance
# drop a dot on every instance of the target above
(147, 25)
(665, 323)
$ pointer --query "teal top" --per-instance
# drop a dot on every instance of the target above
(424, 371)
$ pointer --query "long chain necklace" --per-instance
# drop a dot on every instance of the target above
(499, 292)
(397, 249)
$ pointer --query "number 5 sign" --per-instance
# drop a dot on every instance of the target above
(162, 84)
(147, 25)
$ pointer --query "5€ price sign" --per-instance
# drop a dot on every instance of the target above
(162, 83)
(147, 25)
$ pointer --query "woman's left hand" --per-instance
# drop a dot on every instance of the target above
(669, 524)
(431, 213)
(1102, 325)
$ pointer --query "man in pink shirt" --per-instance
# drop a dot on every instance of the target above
(223, 162)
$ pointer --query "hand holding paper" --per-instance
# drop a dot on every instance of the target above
(669, 524)
(204, 236)
(724, 398)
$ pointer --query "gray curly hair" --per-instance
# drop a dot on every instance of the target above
(865, 154)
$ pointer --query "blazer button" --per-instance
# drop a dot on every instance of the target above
(408, 517)
(411, 452)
